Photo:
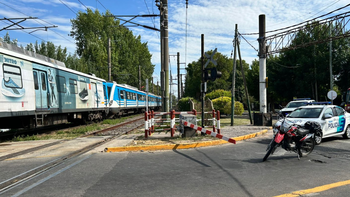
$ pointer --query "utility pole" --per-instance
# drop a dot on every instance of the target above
(166, 55)
(140, 77)
(203, 82)
(245, 83)
(330, 58)
(178, 75)
(262, 63)
(163, 8)
(109, 61)
(234, 77)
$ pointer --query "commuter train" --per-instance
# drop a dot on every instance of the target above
(39, 91)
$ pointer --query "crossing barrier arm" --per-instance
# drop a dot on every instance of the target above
(209, 132)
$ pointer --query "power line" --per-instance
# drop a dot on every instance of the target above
(299, 24)
(38, 21)
(102, 5)
(289, 67)
(309, 13)
(326, 7)
(68, 7)
(154, 25)
(82, 4)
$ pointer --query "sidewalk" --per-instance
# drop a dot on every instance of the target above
(239, 133)
(127, 143)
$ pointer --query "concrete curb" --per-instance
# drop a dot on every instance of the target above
(181, 146)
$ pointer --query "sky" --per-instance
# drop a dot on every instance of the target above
(215, 19)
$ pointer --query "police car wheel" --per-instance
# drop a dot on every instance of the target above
(347, 132)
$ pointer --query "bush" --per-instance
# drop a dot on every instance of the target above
(223, 104)
(220, 103)
(184, 103)
(218, 93)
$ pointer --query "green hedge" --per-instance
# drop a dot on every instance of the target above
(224, 105)
(218, 93)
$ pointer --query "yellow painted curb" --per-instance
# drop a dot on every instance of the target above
(180, 146)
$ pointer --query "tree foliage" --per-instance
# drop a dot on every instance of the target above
(92, 30)
(305, 72)
(218, 93)
(223, 104)
(225, 65)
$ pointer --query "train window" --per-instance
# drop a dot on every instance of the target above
(12, 76)
(134, 96)
(122, 93)
(43, 81)
(73, 88)
(109, 89)
(36, 83)
(61, 87)
(128, 95)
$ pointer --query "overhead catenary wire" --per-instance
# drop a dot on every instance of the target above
(68, 7)
(38, 21)
(322, 9)
(152, 18)
(299, 24)
(82, 4)
(101, 5)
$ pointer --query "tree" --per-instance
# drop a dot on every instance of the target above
(305, 72)
(92, 30)
(225, 65)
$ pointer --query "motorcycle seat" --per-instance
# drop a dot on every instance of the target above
(302, 131)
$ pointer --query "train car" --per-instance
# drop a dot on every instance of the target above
(124, 99)
(39, 91)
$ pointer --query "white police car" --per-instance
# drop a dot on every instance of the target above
(291, 106)
(333, 119)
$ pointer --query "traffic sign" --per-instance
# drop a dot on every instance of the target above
(332, 95)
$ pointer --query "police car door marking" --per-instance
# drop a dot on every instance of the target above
(341, 124)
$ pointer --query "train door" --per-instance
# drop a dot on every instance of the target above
(122, 101)
(41, 90)
(95, 94)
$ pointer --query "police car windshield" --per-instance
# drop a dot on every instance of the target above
(295, 104)
(306, 113)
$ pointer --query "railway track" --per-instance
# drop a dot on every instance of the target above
(112, 133)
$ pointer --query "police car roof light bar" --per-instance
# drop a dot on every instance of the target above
(298, 99)
(320, 103)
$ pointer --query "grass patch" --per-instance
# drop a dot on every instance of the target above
(72, 132)
(237, 122)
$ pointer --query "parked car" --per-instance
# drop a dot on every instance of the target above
(292, 105)
(334, 120)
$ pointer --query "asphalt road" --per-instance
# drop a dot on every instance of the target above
(225, 170)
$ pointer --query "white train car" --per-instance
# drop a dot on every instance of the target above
(39, 91)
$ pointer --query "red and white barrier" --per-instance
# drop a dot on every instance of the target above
(218, 121)
(209, 132)
(150, 122)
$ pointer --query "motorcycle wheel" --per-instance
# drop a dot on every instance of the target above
(347, 132)
(318, 138)
(272, 147)
(307, 146)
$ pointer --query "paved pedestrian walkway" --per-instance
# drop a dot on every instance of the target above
(238, 133)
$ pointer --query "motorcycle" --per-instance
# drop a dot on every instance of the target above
(292, 137)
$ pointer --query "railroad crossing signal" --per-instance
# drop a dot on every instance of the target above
(212, 75)
(210, 58)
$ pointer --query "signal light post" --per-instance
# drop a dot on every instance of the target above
(205, 73)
